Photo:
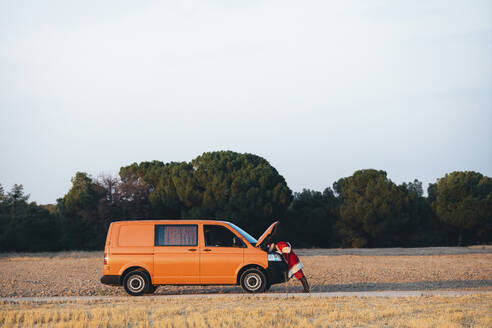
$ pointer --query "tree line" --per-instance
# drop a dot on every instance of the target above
(365, 209)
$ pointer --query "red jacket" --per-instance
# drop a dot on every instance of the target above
(293, 262)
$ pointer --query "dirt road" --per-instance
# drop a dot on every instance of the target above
(389, 293)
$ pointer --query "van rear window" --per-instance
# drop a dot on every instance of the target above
(176, 235)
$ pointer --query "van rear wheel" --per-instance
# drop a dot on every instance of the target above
(253, 281)
(136, 283)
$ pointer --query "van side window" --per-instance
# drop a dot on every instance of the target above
(216, 235)
(176, 235)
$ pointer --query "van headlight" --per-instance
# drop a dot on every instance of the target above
(274, 257)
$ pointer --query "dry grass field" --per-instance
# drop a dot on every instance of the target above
(78, 273)
(254, 311)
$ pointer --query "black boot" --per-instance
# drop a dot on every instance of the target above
(305, 284)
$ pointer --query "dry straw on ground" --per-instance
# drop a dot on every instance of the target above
(254, 311)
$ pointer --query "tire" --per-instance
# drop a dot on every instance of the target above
(136, 283)
(253, 281)
(151, 289)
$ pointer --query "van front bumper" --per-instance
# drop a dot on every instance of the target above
(276, 272)
(111, 280)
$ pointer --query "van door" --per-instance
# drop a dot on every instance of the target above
(176, 254)
(222, 255)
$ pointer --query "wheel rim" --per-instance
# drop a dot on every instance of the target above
(252, 281)
(136, 284)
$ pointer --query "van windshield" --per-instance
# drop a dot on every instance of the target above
(243, 233)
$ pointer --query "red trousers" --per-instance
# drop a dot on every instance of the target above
(293, 260)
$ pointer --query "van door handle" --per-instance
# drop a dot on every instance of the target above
(192, 249)
(207, 250)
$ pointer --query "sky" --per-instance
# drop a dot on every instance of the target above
(318, 88)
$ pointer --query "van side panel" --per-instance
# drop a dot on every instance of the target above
(132, 245)
(254, 255)
(136, 236)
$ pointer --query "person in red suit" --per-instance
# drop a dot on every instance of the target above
(294, 264)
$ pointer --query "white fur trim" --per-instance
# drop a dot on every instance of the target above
(296, 267)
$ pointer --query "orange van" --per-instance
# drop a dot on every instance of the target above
(141, 255)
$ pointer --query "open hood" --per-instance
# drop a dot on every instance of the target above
(267, 235)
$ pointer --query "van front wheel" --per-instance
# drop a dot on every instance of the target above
(253, 281)
(136, 283)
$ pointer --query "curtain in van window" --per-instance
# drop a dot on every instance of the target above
(177, 235)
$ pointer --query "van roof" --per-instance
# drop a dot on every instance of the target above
(179, 221)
